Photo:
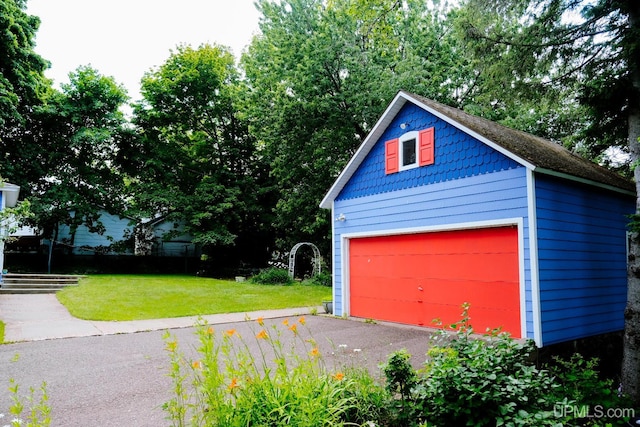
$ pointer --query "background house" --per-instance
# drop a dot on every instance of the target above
(116, 246)
(438, 207)
(84, 241)
(164, 238)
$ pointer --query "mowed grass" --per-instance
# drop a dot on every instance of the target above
(137, 297)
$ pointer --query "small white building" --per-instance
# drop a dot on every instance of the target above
(8, 198)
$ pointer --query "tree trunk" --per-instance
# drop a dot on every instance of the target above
(631, 356)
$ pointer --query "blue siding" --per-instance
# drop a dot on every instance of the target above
(484, 197)
(457, 155)
(116, 229)
(582, 259)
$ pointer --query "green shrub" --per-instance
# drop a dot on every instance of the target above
(579, 382)
(272, 276)
(321, 279)
(471, 381)
(492, 381)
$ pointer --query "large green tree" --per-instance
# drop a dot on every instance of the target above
(321, 73)
(198, 164)
(82, 133)
(22, 86)
(587, 53)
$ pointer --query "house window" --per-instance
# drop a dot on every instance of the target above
(413, 149)
(409, 144)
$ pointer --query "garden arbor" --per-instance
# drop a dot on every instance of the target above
(317, 259)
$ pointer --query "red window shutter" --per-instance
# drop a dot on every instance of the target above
(391, 158)
(426, 147)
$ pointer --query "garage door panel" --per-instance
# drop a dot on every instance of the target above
(382, 288)
(481, 293)
(415, 278)
(481, 318)
(392, 310)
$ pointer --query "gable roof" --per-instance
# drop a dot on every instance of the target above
(535, 153)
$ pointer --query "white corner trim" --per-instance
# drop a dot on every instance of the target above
(533, 258)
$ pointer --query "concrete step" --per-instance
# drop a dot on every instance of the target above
(36, 283)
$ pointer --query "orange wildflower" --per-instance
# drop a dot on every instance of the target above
(302, 320)
(338, 376)
(314, 352)
(210, 330)
(294, 328)
(261, 321)
(262, 335)
(230, 332)
(285, 322)
(233, 385)
(196, 364)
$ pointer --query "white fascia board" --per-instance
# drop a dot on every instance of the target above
(398, 102)
(364, 149)
(477, 136)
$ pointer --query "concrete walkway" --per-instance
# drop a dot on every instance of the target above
(38, 317)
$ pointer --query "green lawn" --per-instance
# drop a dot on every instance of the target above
(134, 297)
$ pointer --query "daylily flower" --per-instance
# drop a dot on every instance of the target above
(233, 385)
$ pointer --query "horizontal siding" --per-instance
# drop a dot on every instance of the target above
(495, 196)
(582, 259)
(116, 229)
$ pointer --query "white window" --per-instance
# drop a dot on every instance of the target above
(408, 150)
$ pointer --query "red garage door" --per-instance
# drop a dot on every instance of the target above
(415, 278)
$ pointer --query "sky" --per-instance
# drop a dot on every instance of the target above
(126, 38)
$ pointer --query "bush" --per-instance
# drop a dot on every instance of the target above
(491, 381)
(321, 279)
(272, 276)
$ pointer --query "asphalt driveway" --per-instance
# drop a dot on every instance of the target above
(121, 379)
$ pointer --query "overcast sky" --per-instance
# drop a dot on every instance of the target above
(126, 38)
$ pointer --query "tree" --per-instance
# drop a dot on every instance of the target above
(588, 53)
(22, 86)
(198, 164)
(321, 73)
(82, 133)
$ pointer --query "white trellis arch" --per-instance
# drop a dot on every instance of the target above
(317, 259)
